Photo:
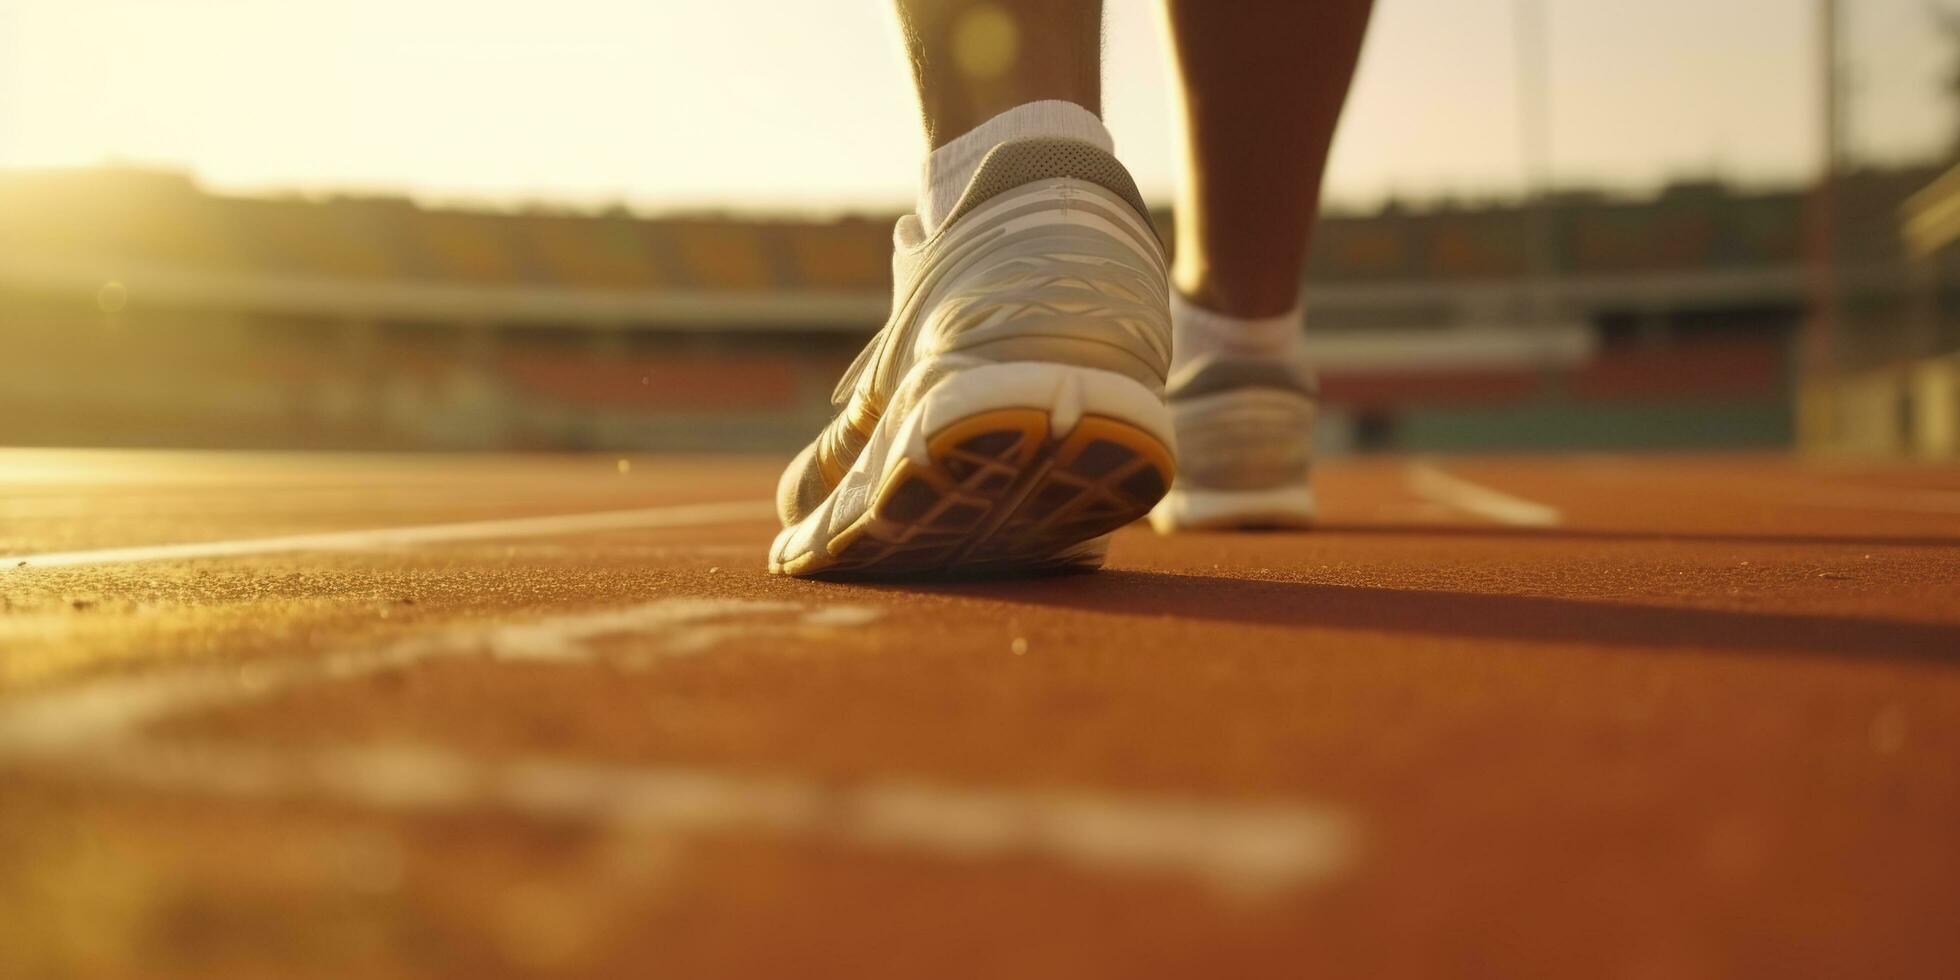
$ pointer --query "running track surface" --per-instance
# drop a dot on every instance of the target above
(1636, 717)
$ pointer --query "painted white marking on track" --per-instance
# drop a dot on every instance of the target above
(1250, 850)
(841, 615)
(682, 515)
(681, 622)
(681, 626)
(118, 707)
(97, 729)
(1433, 484)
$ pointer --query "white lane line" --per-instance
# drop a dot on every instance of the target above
(684, 515)
(1437, 486)
(117, 708)
(1249, 850)
(98, 730)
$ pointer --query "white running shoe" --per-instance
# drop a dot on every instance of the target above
(1244, 421)
(1011, 413)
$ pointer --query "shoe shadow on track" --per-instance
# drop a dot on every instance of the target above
(1578, 534)
(1541, 619)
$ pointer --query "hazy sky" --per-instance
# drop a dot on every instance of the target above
(805, 102)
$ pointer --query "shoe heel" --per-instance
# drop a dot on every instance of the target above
(1013, 467)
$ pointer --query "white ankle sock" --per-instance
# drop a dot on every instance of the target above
(949, 168)
(1196, 332)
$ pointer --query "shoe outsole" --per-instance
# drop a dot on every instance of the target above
(1004, 490)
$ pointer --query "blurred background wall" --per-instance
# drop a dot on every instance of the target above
(1808, 297)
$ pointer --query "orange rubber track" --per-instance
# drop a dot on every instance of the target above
(1698, 718)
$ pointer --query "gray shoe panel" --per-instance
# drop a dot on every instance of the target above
(1024, 161)
(1221, 373)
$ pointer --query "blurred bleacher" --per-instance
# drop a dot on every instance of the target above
(138, 309)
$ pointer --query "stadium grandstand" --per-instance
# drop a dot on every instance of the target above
(1891, 385)
(141, 309)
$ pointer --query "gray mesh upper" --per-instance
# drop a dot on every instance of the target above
(1023, 161)
(1218, 373)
